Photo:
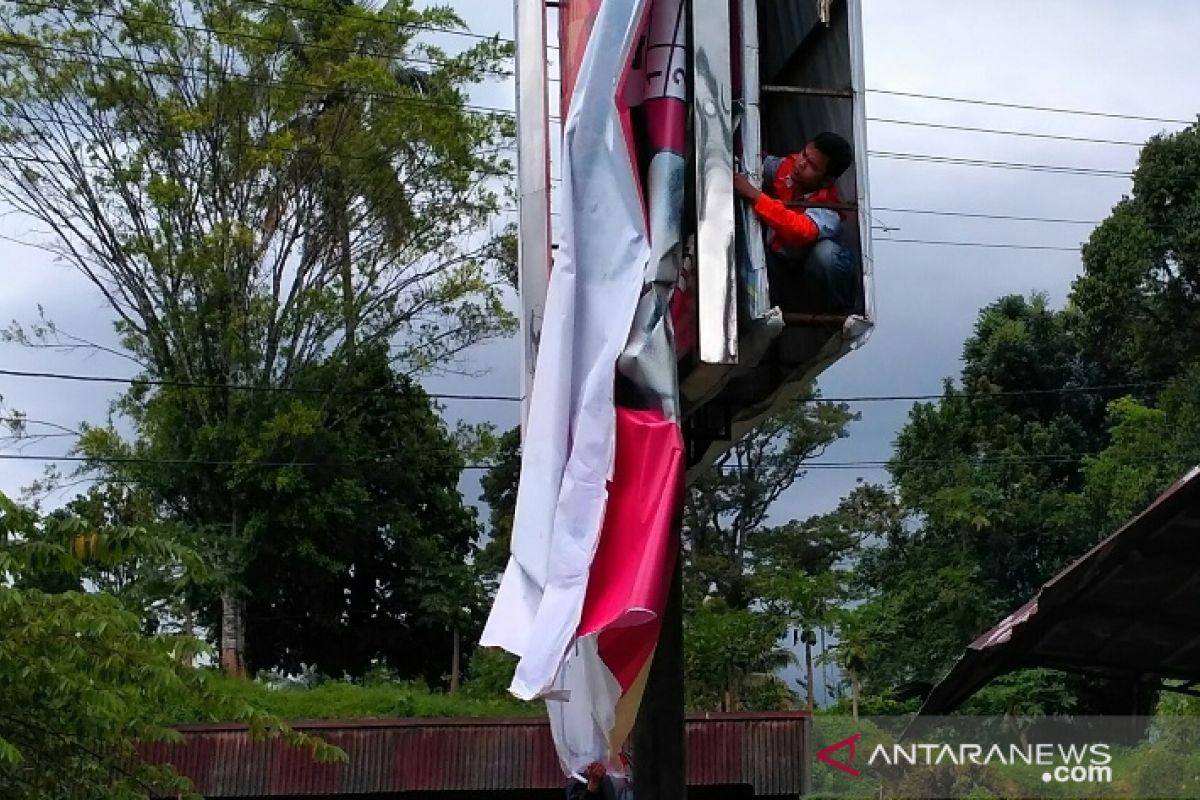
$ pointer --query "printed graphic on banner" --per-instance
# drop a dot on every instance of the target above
(658, 85)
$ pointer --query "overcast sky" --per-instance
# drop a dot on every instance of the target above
(1088, 54)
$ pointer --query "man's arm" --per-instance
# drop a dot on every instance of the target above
(794, 227)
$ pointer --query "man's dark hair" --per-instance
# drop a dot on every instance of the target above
(837, 150)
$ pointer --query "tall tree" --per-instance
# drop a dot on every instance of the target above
(348, 109)
(81, 685)
(174, 155)
(727, 510)
(1139, 318)
(499, 485)
(985, 478)
(354, 539)
(748, 582)
(1001, 484)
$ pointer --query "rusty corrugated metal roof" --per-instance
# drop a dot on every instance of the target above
(1123, 610)
(764, 751)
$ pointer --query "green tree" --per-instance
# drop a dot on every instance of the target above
(499, 486)
(489, 674)
(726, 519)
(152, 583)
(178, 160)
(146, 583)
(1019, 469)
(353, 543)
(730, 652)
(748, 582)
(1002, 483)
(80, 683)
(1150, 447)
(1138, 318)
(985, 478)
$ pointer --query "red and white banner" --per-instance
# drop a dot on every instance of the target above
(593, 539)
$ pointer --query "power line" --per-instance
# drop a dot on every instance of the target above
(910, 398)
(407, 98)
(985, 245)
(510, 40)
(1023, 107)
(1013, 165)
(974, 215)
(240, 387)
(1003, 394)
(117, 460)
(881, 209)
(1003, 132)
(954, 459)
(403, 99)
(996, 217)
(929, 158)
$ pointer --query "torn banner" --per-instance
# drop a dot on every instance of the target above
(593, 542)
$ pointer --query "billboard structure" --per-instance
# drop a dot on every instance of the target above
(665, 329)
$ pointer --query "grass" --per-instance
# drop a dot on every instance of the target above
(333, 700)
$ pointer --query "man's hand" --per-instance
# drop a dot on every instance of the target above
(595, 774)
(744, 188)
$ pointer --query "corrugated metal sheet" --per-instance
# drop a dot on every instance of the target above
(1125, 610)
(767, 752)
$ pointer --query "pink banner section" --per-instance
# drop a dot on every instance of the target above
(629, 577)
(575, 22)
(663, 75)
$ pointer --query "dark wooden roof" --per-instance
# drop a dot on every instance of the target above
(1129, 609)
(764, 751)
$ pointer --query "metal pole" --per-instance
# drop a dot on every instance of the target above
(534, 254)
(659, 738)
(712, 132)
(808, 664)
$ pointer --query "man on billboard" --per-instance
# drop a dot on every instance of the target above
(807, 239)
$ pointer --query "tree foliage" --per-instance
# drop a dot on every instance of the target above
(352, 541)
(261, 196)
(728, 651)
(1137, 297)
(1019, 468)
(81, 684)
(499, 486)
(748, 582)
(177, 161)
(726, 518)
(987, 480)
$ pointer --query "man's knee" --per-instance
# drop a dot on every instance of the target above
(828, 256)
(831, 266)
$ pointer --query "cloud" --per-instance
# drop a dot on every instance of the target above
(1097, 54)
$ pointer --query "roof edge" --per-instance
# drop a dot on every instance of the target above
(450, 722)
